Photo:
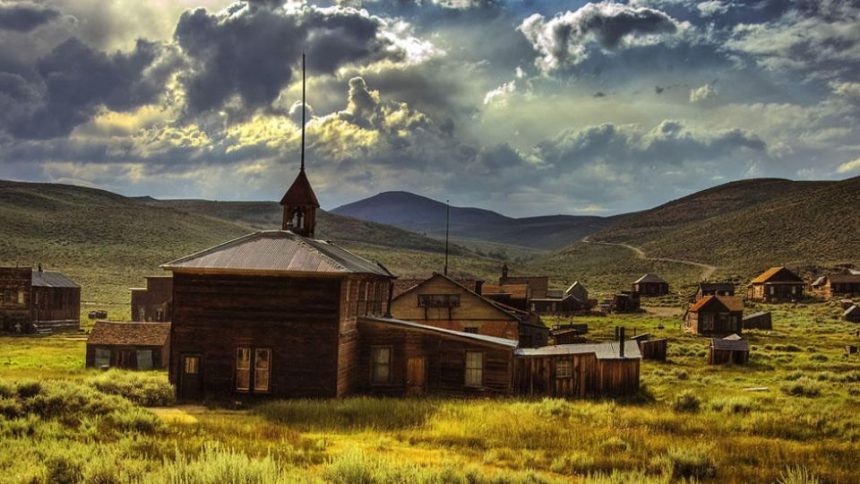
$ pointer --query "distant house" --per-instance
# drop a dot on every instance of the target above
(625, 302)
(155, 301)
(132, 346)
(729, 350)
(837, 285)
(538, 285)
(777, 284)
(442, 302)
(715, 315)
(759, 320)
(577, 290)
(573, 301)
(651, 348)
(651, 285)
(33, 300)
(852, 314)
(714, 289)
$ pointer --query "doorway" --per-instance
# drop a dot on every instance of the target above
(416, 371)
(190, 377)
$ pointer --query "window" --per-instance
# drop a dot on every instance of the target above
(471, 329)
(21, 297)
(707, 322)
(772, 290)
(192, 365)
(438, 300)
(262, 369)
(243, 369)
(474, 368)
(144, 359)
(563, 369)
(102, 357)
(380, 372)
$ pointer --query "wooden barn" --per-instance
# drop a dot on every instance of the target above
(651, 285)
(578, 370)
(837, 285)
(153, 302)
(444, 303)
(759, 320)
(33, 300)
(714, 289)
(538, 286)
(132, 346)
(852, 314)
(715, 315)
(775, 285)
(729, 350)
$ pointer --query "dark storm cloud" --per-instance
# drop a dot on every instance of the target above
(74, 81)
(24, 17)
(249, 51)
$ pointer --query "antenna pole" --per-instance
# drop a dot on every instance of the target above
(447, 223)
(303, 112)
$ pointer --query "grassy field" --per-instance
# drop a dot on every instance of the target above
(789, 416)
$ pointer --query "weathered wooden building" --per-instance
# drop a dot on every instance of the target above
(852, 314)
(33, 300)
(651, 348)
(625, 302)
(715, 315)
(537, 285)
(443, 302)
(132, 346)
(729, 350)
(714, 289)
(837, 285)
(515, 295)
(153, 302)
(562, 306)
(651, 285)
(759, 320)
(775, 285)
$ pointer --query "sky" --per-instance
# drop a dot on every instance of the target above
(525, 107)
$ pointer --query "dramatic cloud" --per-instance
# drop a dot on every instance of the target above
(565, 40)
(703, 93)
(24, 16)
(849, 166)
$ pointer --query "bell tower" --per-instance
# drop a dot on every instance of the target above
(300, 203)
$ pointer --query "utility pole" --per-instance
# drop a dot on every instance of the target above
(447, 223)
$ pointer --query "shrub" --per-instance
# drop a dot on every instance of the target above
(6, 390)
(798, 475)
(803, 387)
(10, 408)
(682, 374)
(62, 469)
(686, 401)
(351, 413)
(818, 357)
(733, 405)
(554, 407)
(215, 465)
(29, 389)
(147, 389)
(689, 463)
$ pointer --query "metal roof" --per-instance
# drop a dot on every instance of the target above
(110, 333)
(730, 344)
(512, 343)
(51, 279)
(278, 251)
(603, 351)
(649, 278)
(844, 279)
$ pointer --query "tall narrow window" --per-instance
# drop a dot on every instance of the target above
(243, 369)
(262, 369)
(21, 297)
(144, 359)
(474, 368)
(380, 365)
(563, 369)
(192, 365)
(102, 357)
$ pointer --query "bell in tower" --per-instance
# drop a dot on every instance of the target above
(300, 203)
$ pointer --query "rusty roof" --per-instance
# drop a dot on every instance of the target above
(730, 303)
(300, 193)
(770, 273)
(51, 279)
(109, 333)
(279, 252)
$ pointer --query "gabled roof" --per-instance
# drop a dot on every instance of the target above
(513, 313)
(402, 285)
(575, 285)
(277, 252)
(603, 351)
(729, 303)
(109, 333)
(510, 343)
(650, 278)
(769, 274)
(300, 193)
(756, 315)
(820, 281)
(51, 279)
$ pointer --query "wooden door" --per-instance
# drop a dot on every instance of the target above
(190, 377)
(126, 359)
(416, 370)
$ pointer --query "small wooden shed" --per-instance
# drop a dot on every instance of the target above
(651, 349)
(715, 315)
(837, 285)
(651, 285)
(625, 302)
(132, 346)
(729, 350)
(852, 314)
(759, 320)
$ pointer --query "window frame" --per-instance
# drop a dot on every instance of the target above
(237, 369)
(569, 369)
(252, 369)
(374, 364)
(256, 370)
(467, 381)
(96, 356)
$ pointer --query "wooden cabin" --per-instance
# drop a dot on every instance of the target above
(131, 346)
(775, 285)
(852, 314)
(715, 315)
(33, 300)
(714, 289)
(399, 358)
(444, 303)
(837, 285)
(537, 285)
(625, 302)
(153, 302)
(759, 320)
(578, 370)
(729, 350)
(651, 285)
(577, 290)
(566, 305)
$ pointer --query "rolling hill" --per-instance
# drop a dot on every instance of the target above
(424, 215)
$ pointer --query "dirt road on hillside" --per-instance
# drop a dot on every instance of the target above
(707, 270)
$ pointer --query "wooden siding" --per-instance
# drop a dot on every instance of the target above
(13, 281)
(654, 349)
(776, 292)
(722, 322)
(651, 288)
(444, 356)
(57, 307)
(590, 376)
(724, 357)
(758, 321)
(154, 303)
(160, 355)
